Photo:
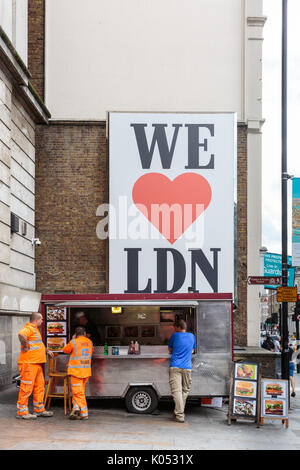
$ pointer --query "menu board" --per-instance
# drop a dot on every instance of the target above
(244, 390)
(56, 328)
(274, 402)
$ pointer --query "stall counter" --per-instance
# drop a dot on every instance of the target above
(146, 352)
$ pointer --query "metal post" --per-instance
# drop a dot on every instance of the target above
(280, 322)
(285, 333)
(297, 342)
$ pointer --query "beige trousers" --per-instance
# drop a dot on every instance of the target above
(180, 383)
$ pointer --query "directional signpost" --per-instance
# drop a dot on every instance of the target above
(262, 280)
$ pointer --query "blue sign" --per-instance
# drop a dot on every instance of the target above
(273, 267)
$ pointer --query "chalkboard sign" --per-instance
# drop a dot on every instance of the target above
(244, 401)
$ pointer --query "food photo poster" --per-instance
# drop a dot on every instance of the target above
(274, 388)
(245, 371)
(245, 388)
(56, 313)
(244, 407)
(274, 408)
(56, 329)
(56, 344)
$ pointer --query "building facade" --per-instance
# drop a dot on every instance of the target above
(20, 111)
(162, 56)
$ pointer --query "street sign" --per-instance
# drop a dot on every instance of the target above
(287, 294)
(262, 280)
(298, 317)
(273, 267)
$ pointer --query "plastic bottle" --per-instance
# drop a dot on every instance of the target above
(131, 349)
(105, 349)
(136, 348)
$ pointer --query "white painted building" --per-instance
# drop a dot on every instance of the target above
(20, 110)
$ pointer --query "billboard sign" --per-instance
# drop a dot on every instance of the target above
(171, 202)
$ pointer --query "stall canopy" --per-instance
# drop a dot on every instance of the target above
(170, 303)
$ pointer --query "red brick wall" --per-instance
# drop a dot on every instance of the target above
(71, 182)
(36, 44)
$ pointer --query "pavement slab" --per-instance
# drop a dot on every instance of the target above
(111, 427)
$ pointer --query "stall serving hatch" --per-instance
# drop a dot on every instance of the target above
(115, 321)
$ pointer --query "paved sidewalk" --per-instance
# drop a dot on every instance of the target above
(110, 427)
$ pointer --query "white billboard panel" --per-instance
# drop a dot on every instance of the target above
(171, 195)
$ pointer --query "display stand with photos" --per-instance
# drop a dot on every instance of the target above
(244, 399)
(274, 400)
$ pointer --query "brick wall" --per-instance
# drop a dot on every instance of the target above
(71, 182)
(36, 44)
(269, 362)
(240, 315)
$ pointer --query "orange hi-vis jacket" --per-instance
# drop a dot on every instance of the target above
(36, 353)
(80, 350)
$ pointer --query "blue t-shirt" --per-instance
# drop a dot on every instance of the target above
(182, 345)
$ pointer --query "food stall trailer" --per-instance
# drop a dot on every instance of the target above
(142, 379)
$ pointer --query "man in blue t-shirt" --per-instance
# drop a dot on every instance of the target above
(181, 346)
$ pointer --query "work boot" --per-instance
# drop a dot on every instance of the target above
(74, 414)
(84, 417)
(45, 414)
(28, 416)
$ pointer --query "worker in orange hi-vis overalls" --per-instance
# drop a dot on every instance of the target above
(31, 360)
(80, 349)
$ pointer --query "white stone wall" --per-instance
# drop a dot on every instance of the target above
(17, 173)
(141, 55)
(13, 19)
(254, 23)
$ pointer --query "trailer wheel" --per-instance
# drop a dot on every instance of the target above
(142, 400)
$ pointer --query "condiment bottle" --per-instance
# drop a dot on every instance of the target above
(105, 349)
(136, 348)
(131, 348)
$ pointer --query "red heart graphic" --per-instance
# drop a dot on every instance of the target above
(171, 206)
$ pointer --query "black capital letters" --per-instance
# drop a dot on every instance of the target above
(159, 137)
(162, 274)
(194, 144)
(210, 272)
(133, 272)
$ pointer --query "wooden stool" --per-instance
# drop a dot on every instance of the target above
(53, 374)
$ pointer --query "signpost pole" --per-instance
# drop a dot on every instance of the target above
(280, 321)
(297, 340)
(284, 177)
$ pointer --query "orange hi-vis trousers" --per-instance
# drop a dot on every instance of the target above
(32, 380)
(78, 392)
